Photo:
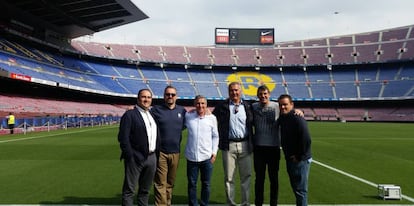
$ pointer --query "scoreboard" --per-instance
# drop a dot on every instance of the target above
(233, 36)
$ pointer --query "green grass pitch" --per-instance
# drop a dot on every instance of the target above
(82, 166)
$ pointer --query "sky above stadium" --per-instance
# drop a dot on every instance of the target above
(193, 22)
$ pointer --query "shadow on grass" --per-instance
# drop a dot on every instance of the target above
(116, 200)
(386, 201)
(183, 200)
(87, 200)
(373, 197)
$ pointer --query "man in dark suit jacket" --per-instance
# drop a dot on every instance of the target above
(138, 139)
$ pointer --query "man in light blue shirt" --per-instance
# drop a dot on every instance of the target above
(201, 149)
(235, 125)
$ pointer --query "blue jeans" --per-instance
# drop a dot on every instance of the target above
(298, 176)
(206, 170)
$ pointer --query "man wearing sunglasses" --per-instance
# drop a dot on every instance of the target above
(170, 120)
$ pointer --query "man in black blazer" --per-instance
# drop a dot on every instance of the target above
(138, 139)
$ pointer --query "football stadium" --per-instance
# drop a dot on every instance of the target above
(356, 92)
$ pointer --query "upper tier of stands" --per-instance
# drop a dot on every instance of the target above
(339, 82)
(380, 46)
(306, 69)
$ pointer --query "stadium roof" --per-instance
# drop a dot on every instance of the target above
(71, 18)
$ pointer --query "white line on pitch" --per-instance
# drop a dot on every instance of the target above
(357, 178)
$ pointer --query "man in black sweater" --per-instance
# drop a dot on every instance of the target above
(296, 144)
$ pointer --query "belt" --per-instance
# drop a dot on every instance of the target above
(151, 153)
(238, 139)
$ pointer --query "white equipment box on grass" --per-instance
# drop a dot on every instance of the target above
(389, 192)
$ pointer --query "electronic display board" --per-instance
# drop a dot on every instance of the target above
(233, 36)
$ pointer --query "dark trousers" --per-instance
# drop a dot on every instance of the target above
(141, 174)
(206, 170)
(269, 157)
(11, 127)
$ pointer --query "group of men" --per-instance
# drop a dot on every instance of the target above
(150, 140)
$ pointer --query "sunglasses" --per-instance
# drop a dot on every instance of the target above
(170, 94)
(236, 109)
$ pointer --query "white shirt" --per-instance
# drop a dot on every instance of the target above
(151, 127)
(203, 137)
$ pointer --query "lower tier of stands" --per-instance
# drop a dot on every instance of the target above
(31, 107)
(40, 112)
(394, 114)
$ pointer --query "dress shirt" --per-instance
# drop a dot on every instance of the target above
(151, 127)
(203, 137)
(237, 121)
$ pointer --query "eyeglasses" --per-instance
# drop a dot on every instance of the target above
(236, 108)
(170, 94)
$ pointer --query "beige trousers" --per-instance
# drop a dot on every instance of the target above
(165, 177)
(239, 158)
